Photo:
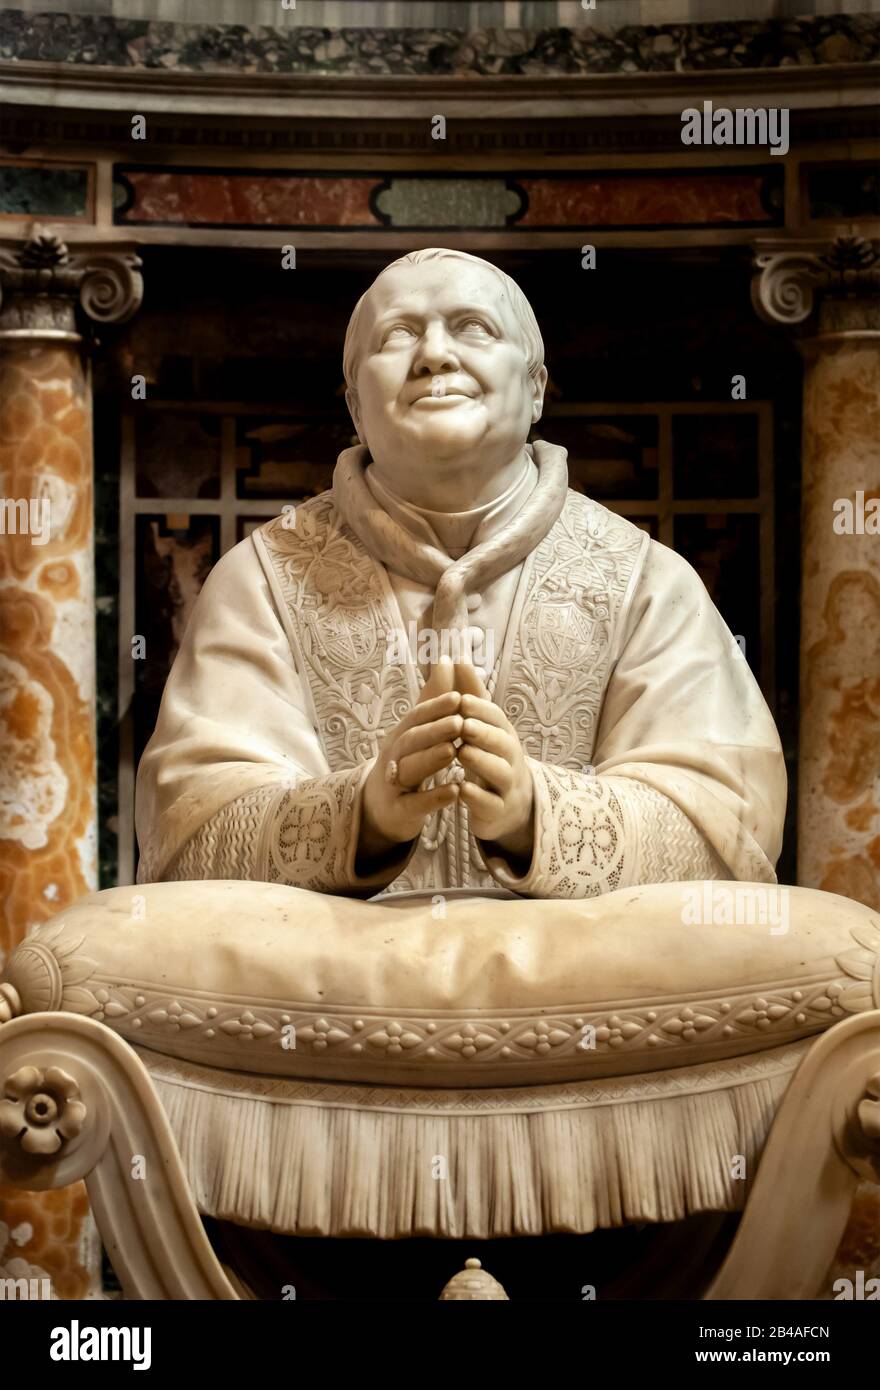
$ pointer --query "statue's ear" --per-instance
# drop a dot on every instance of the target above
(351, 401)
(539, 386)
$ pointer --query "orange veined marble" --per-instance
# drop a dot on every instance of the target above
(859, 1247)
(839, 799)
(47, 740)
(49, 1230)
(47, 734)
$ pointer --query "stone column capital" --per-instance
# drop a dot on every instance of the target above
(833, 280)
(44, 283)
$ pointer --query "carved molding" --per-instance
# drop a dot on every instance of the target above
(840, 277)
(152, 1227)
(43, 284)
(815, 1156)
(478, 130)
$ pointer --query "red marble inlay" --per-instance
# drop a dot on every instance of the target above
(249, 200)
(610, 200)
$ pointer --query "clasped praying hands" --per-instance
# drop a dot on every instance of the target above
(455, 719)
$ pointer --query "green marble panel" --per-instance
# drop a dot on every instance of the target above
(30, 191)
(448, 202)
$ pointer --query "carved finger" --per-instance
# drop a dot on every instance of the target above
(413, 770)
(483, 805)
(420, 805)
(427, 735)
(486, 710)
(436, 708)
(496, 772)
(469, 681)
(440, 681)
(489, 737)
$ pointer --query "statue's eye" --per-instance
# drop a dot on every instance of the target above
(397, 331)
(475, 326)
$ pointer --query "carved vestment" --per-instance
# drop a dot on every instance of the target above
(653, 754)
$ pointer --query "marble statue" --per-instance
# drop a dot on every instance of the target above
(450, 670)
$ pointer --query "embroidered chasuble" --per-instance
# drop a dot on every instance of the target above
(653, 754)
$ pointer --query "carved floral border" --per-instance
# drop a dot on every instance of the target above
(48, 972)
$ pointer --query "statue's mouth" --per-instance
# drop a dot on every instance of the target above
(442, 393)
(442, 388)
(449, 397)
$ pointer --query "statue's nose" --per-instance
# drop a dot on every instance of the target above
(435, 352)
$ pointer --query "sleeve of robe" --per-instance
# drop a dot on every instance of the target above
(234, 782)
(688, 778)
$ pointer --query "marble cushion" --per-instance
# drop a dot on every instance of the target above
(456, 990)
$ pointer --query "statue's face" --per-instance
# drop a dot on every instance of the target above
(443, 374)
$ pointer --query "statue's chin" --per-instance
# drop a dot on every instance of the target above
(446, 441)
(431, 448)
(453, 430)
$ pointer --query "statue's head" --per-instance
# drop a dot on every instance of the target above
(443, 362)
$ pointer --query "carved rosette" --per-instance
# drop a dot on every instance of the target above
(842, 275)
(40, 1110)
(44, 285)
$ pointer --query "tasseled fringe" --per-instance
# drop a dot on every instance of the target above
(307, 1169)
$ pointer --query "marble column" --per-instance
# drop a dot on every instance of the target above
(48, 816)
(830, 292)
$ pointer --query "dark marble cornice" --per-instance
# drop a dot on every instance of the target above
(47, 106)
(75, 81)
(92, 41)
